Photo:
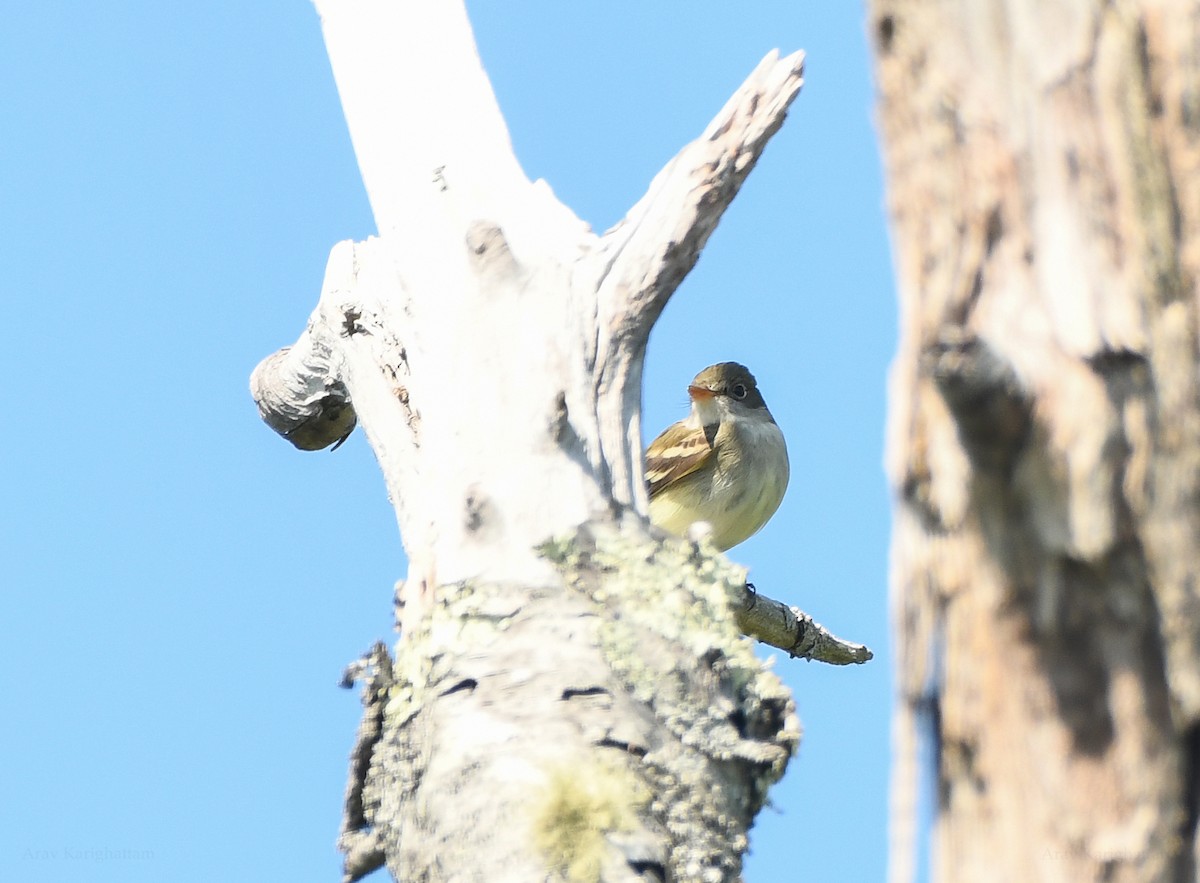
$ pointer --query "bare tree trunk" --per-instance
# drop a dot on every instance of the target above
(1044, 176)
(570, 697)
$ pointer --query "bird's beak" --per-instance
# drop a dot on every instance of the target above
(700, 393)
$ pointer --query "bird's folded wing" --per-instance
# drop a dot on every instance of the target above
(679, 451)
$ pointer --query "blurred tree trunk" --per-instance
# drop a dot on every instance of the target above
(1044, 187)
(570, 697)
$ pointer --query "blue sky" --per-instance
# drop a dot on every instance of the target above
(173, 178)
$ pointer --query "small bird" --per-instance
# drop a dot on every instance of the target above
(726, 463)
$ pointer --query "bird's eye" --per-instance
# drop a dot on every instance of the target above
(739, 390)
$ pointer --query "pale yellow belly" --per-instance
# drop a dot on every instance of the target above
(735, 502)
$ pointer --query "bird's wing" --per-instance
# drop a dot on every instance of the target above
(679, 451)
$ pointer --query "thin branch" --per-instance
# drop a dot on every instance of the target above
(792, 630)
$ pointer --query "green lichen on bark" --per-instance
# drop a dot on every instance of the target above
(668, 631)
(616, 717)
(580, 809)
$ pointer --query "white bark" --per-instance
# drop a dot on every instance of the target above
(491, 346)
(487, 300)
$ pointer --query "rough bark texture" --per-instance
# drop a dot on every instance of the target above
(558, 732)
(1044, 185)
(583, 708)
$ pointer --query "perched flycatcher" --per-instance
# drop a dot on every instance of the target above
(725, 464)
